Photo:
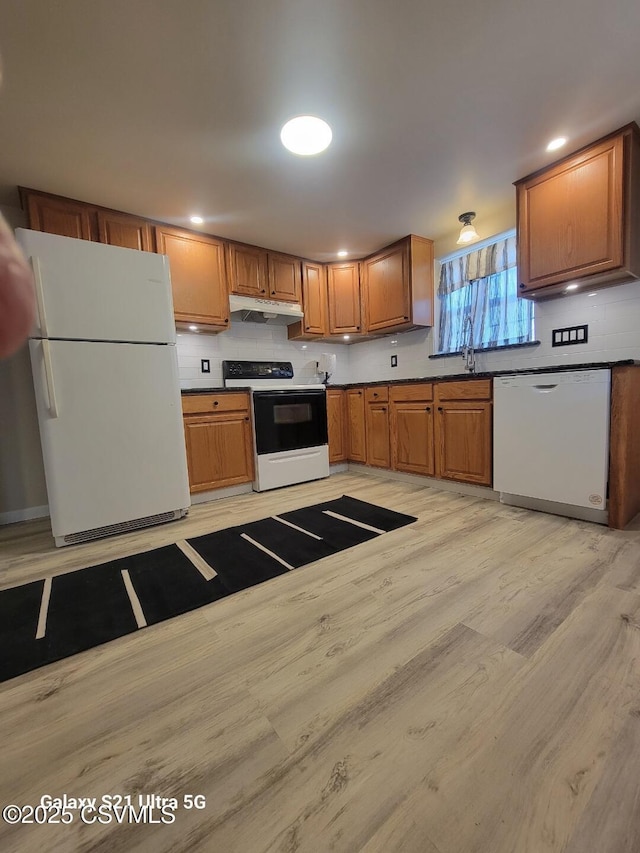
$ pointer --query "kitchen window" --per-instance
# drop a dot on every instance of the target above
(482, 284)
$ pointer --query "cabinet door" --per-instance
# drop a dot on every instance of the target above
(378, 444)
(219, 451)
(463, 442)
(61, 216)
(412, 447)
(337, 424)
(357, 448)
(314, 298)
(248, 270)
(343, 287)
(570, 218)
(387, 289)
(285, 278)
(120, 229)
(198, 276)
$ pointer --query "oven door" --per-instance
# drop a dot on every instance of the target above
(289, 420)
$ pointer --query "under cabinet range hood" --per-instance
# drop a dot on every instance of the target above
(247, 309)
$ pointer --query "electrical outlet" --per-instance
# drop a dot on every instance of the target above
(569, 336)
(205, 365)
(394, 361)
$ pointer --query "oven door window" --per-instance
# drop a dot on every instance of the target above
(289, 420)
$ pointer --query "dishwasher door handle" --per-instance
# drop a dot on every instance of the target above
(545, 389)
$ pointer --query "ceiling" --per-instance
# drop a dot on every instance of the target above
(166, 108)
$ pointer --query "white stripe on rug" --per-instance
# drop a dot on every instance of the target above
(352, 521)
(295, 527)
(133, 598)
(201, 565)
(266, 551)
(44, 609)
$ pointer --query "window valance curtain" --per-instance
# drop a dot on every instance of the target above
(490, 260)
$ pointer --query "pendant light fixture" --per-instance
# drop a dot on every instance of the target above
(468, 233)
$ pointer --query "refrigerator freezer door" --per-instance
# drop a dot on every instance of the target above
(111, 430)
(90, 291)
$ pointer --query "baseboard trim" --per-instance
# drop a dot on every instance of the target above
(27, 514)
(218, 494)
(431, 482)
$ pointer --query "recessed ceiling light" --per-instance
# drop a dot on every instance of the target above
(593, 294)
(346, 337)
(193, 328)
(556, 143)
(306, 135)
(304, 346)
(571, 287)
(197, 220)
(343, 253)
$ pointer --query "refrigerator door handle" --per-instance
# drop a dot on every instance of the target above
(54, 410)
(42, 313)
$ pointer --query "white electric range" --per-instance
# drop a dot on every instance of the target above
(289, 422)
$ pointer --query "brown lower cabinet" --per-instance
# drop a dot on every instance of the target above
(357, 445)
(411, 421)
(217, 431)
(463, 431)
(377, 427)
(337, 424)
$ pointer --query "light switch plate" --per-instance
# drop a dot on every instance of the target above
(205, 365)
(394, 361)
(569, 336)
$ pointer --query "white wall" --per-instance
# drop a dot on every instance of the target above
(253, 341)
(612, 314)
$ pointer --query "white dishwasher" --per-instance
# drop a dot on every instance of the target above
(551, 441)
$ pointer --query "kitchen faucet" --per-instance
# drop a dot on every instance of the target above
(468, 352)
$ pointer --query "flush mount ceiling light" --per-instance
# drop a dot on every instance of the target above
(343, 253)
(467, 233)
(557, 143)
(306, 135)
(197, 220)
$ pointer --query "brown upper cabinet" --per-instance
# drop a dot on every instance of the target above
(264, 275)
(398, 286)
(285, 277)
(248, 270)
(579, 219)
(198, 276)
(121, 229)
(57, 215)
(343, 291)
(314, 303)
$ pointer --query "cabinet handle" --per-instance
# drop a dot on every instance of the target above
(227, 320)
(263, 290)
(359, 393)
(428, 409)
(522, 286)
(358, 328)
(216, 402)
(375, 393)
(406, 318)
(247, 419)
(439, 408)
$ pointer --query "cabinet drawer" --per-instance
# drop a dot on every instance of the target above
(193, 404)
(468, 389)
(409, 393)
(379, 394)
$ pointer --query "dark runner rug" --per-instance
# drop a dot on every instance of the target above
(47, 620)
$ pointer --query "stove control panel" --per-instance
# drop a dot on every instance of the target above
(257, 370)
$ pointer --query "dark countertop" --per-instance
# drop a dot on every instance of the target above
(451, 377)
(213, 390)
(493, 373)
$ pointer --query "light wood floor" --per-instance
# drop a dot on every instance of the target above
(468, 684)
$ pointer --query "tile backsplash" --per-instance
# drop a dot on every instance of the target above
(612, 314)
(249, 341)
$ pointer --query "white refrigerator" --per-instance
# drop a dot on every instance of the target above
(105, 374)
